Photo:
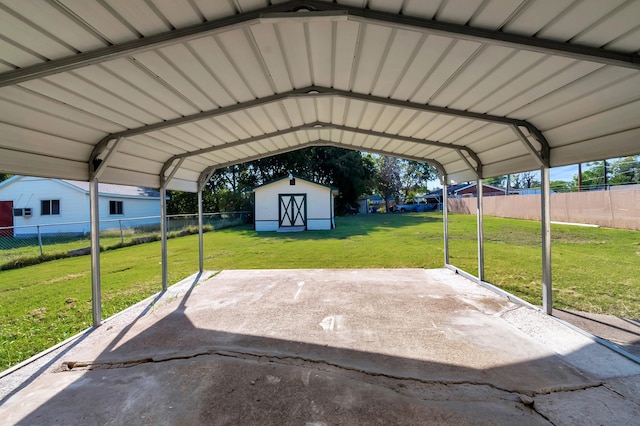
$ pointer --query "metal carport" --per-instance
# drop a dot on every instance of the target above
(162, 92)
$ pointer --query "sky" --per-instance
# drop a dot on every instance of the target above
(565, 173)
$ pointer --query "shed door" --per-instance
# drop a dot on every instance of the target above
(6, 218)
(293, 210)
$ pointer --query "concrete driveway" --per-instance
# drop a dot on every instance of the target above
(318, 347)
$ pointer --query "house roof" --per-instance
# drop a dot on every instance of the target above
(144, 90)
(104, 189)
(451, 189)
(332, 188)
(116, 190)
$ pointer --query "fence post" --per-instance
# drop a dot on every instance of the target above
(40, 240)
(121, 236)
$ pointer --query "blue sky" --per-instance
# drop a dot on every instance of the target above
(565, 173)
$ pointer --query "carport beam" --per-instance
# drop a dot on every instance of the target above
(94, 205)
(545, 197)
(480, 230)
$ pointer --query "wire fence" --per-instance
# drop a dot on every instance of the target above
(22, 245)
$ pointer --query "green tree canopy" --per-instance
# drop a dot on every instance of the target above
(625, 171)
(389, 183)
(619, 171)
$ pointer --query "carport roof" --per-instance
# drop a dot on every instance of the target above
(176, 88)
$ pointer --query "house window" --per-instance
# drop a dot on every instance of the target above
(115, 207)
(49, 207)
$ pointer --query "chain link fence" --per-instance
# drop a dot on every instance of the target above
(24, 245)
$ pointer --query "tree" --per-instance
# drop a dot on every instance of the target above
(498, 181)
(414, 176)
(625, 171)
(350, 171)
(4, 176)
(593, 177)
(620, 171)
(528, 180)
(389, 183)
(560, 186)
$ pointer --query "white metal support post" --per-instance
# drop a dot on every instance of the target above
(106, 148)
(94, 206)
(547, 299)
(163, 233)
(480, 227)
(205, 176)
(200, 231)
(164, 181)
(445, 218)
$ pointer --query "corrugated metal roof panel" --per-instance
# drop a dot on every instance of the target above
(139, 15)
(467, 86)
(179, 13)
(46, 122)
(51, 19)
(577, 18)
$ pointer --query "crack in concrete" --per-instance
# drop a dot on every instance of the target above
(80, 366)
(535, 410)
(623, 396)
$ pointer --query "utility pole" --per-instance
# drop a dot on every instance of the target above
(579, 177)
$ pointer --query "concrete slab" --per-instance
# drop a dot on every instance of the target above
(325, 347)
(624, 332)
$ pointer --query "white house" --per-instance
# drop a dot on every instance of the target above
(62, 206)
(293, 203)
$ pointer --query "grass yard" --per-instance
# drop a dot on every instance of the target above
(595, 270)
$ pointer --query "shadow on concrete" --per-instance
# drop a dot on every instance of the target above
(622, 332)
(68, 347)
(174, 372)
(46, 366)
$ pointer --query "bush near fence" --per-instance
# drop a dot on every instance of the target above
(610, 209)
(36, 245)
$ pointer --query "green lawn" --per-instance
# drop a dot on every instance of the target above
(595, 270)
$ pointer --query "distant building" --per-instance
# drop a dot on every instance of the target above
(463, 190)
(293, 203)
(62, 206)
(374, 203)
(471, 190)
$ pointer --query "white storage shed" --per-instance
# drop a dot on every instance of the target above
(292, 203)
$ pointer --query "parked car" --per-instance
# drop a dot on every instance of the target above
(414, 207)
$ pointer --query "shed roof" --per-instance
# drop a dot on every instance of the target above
(142, 89)
(330, 187)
